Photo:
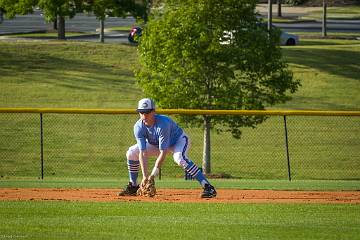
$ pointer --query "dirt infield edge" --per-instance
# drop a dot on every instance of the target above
(180, 195)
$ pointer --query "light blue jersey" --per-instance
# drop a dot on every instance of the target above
(163, 134)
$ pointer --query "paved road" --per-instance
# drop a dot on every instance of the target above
(332, 26)
(89, 23)
(81, 22)
(313, 26)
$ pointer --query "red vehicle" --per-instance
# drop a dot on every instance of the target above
(135, 34)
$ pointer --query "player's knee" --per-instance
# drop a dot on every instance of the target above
(179, 159)
(132, 153)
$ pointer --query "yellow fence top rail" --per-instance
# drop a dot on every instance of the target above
(184, 111)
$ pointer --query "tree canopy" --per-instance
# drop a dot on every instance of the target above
(13, 7)
(209, 54)
(114, 8)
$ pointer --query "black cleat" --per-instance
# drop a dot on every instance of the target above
(129, 190)
(209, 191)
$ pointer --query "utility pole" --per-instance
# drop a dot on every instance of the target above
(269, 15)
(279, 13)
(102, 26)
(1, 16)
(324, 32)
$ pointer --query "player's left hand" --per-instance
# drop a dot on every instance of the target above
(147, 187)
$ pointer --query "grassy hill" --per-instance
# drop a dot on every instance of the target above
(67, 74)
(93, 75)
(329, 74)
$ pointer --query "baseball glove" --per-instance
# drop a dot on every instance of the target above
(147, 188)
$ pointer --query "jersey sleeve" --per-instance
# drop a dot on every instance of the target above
(164, 138)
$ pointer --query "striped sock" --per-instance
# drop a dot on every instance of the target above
(195, 172)
(133, 167)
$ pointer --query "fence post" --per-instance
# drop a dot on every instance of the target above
(287, 148)
(41, 146)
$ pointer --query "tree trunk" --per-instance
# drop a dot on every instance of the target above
(148, 10)
(61, 27)
(324, 32)
(55, 24)
(269, 15)
(1, 16)
(102, 26)
(206, 166)
(279, 13)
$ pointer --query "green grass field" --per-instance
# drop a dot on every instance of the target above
(72, 220)
(78, 146)
(94, 75)
(67, 74)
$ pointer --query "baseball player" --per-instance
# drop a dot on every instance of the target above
(158, 135)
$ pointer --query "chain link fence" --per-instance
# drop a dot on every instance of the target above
(72, 145)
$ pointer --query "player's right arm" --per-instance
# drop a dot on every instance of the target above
(141, 142)
(144, 163)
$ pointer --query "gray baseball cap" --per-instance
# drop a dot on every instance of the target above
(146, 105)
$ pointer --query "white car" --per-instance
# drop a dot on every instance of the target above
(288, 39)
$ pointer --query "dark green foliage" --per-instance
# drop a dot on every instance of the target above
(114, 8)
(13, 7)
(63, 8)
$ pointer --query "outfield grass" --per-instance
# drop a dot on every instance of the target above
(67, 74)
(75, 220)
(329, 74)
(94, 75)
(94, 147)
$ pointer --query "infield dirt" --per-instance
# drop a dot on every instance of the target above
(180, 195)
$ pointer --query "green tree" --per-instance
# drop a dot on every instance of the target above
(101, 9)
(279, 13)
(113, 8)
(54, 10)
(13, 7)
(58, 10)
(210, 54)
